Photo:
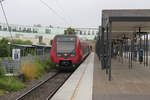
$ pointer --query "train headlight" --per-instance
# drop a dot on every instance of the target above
(65, 54)
(58, 55)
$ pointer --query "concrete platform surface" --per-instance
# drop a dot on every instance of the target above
(126, 84)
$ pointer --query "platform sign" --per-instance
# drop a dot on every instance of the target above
(16, 54)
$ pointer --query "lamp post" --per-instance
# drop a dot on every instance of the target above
(9, 43)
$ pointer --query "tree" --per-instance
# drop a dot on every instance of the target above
(95, 38)
(4, 48)
(69, 31)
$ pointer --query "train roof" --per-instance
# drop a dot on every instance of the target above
(66, 36)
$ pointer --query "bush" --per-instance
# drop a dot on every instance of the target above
(47, 64)
(2, 71)
(28, 42)
(32, 70)
(4, 48)
(11, 84)
(2, 92)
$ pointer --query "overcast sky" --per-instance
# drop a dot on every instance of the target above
(78, 13)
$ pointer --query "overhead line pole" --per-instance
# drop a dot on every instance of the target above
(6, 18)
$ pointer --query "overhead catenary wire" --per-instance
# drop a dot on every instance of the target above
(6, 19)
(63, 11)
(50, 8)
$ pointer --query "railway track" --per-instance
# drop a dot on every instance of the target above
(46, 89)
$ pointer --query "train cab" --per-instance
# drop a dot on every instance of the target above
(66, 51)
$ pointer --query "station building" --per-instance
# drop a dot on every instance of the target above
(87, 33)
(37, 34)
(42, 34)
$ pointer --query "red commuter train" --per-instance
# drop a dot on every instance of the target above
(68, 51)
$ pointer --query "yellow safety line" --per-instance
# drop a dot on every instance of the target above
(77, 87)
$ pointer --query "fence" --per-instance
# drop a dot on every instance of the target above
(13, 66)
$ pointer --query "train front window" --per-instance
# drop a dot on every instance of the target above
(66, 45)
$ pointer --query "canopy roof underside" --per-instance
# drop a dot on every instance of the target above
(126, 21)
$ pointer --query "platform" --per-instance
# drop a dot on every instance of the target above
(90, 82)
(126, 84)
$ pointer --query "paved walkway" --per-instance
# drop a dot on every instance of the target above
(133, 84)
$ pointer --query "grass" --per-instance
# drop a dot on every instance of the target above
(10, 84)
(33, 70)
(5, 58)
(2, 92)
(2, 71)
(47, 64)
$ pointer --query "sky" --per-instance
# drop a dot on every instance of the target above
(64, 13)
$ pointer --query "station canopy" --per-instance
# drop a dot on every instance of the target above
(126, 22)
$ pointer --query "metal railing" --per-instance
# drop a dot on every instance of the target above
(13, 66)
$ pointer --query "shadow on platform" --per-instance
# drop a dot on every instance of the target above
(126, 84)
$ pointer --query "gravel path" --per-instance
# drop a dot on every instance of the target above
(14, 95)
